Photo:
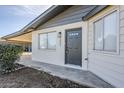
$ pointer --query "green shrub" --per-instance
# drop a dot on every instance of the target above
(8, 56)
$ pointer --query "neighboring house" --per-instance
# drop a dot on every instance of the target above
(2, 40)
(87, 37)
(26, 45)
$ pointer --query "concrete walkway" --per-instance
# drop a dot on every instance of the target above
(82, 77)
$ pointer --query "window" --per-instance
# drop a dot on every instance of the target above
(51, 40)
(106, 33)
(110, 32)
(43, 41)
(99, 35)
(48, 40)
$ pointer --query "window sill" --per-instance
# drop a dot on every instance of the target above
(52, 50)
(106, 52)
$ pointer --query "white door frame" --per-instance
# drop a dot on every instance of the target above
(85, 46)
(84, 26)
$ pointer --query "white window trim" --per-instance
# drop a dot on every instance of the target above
(47, 41)
(118, 34)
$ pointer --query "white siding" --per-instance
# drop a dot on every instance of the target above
(122, 30)
(57, 56)
(121, 46)
(108, 66)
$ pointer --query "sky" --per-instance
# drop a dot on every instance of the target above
(15, 17)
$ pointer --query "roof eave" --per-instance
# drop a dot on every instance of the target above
(94, 11)
(43, 18)
(46, 15)
(28, 26)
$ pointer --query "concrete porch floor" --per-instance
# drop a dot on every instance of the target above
(79, 76)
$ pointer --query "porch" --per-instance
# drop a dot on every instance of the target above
(79, 76)
(82, 77)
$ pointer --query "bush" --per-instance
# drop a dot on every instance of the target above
(8, 56)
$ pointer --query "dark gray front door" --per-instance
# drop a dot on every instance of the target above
(73, 51)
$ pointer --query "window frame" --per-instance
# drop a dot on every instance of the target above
(118, 33)
(47, 41)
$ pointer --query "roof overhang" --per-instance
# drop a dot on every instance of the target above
(94, 11)
(49, 14)
(41, 19)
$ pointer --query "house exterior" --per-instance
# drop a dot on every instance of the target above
(87, 37)
(25, 45)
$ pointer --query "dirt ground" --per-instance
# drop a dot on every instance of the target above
(31, 78)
